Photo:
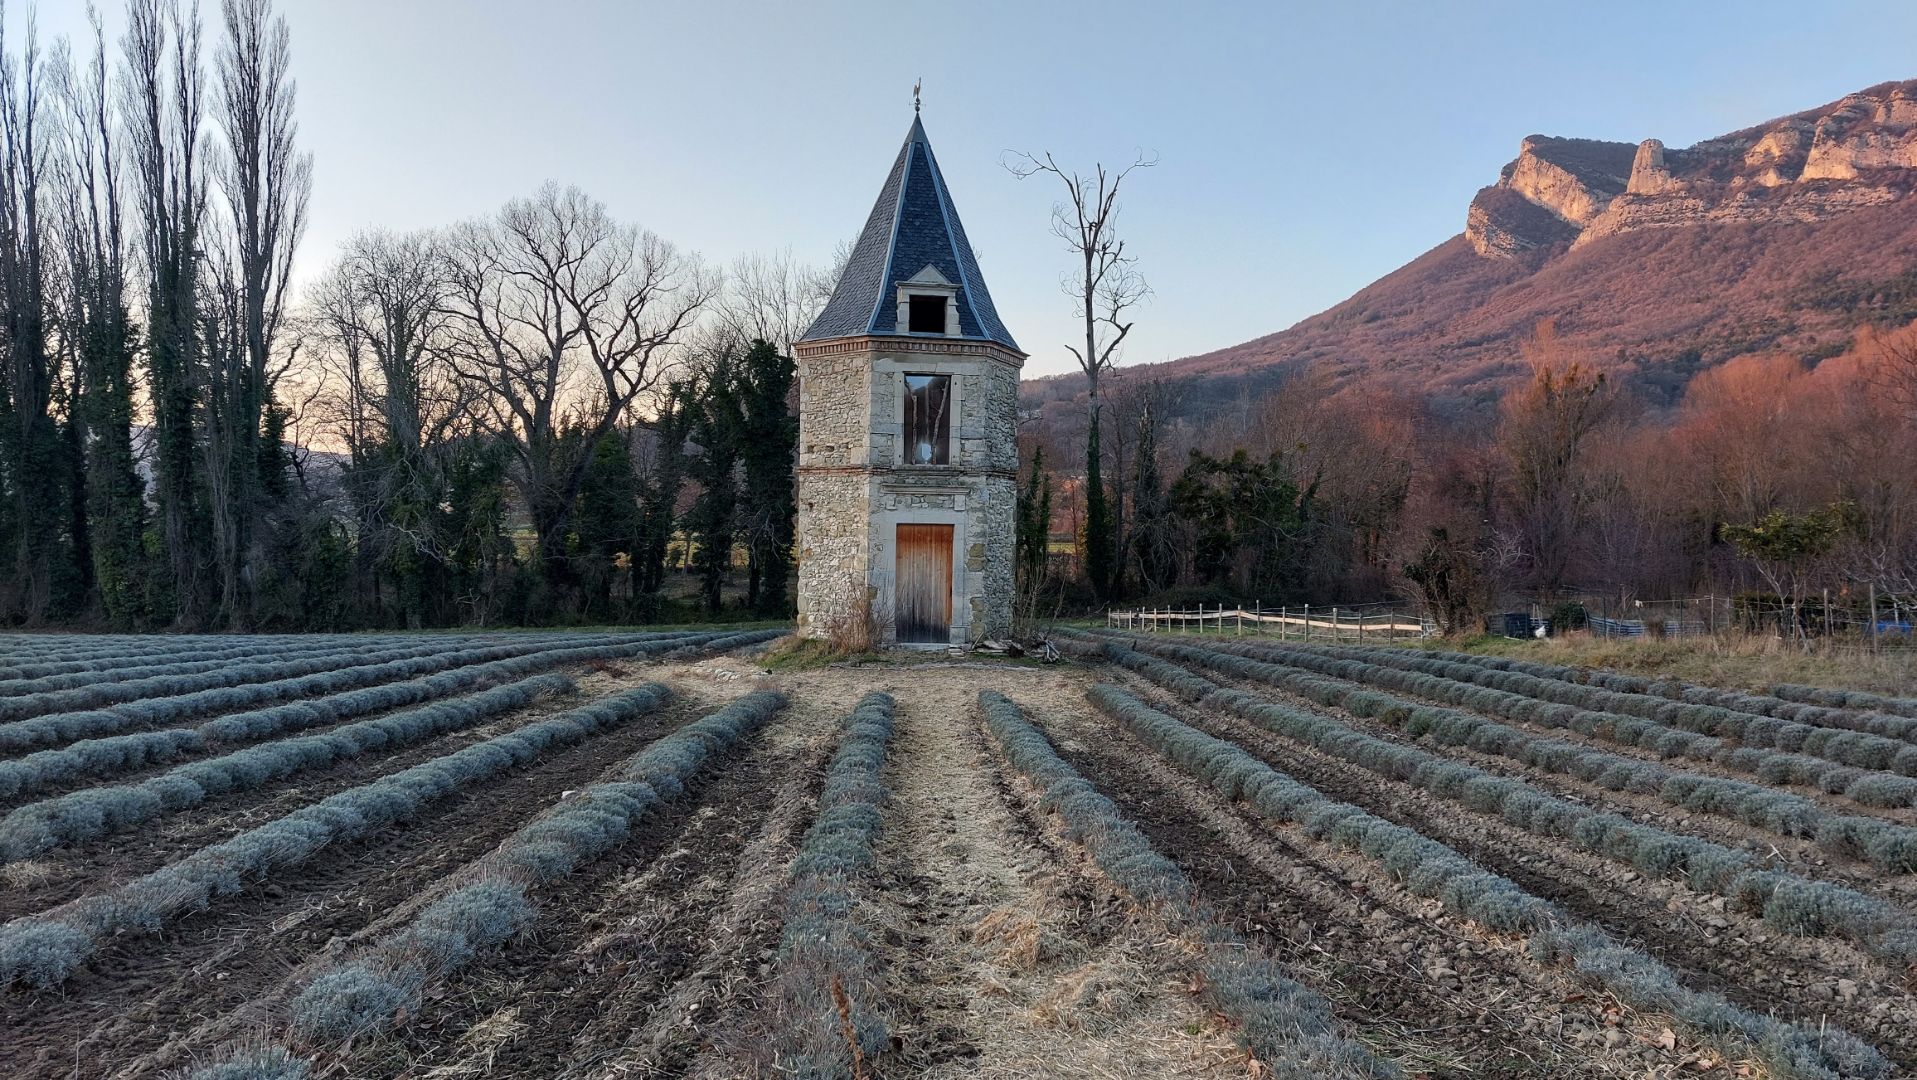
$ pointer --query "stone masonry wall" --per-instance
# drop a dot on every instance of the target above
(854, 492)
(834, 509)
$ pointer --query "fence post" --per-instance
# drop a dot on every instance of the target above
(1873, 616)
(1307, 624)
(1361, 630)
(1257, 617)
(1334, 624)
(1240, 609)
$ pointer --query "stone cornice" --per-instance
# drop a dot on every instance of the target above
(900, 343)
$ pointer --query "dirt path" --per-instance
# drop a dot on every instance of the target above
(1009, 958)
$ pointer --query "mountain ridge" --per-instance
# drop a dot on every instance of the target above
(1783, 236)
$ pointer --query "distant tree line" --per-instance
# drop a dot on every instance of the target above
(531, 417)
(1775, 478)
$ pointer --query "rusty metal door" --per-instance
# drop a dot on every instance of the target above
(924, 587)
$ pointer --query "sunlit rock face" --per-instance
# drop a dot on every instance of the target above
(1857, 152)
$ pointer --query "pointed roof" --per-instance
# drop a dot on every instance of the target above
(913, 228)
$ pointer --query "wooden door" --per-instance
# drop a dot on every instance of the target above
(925, 583)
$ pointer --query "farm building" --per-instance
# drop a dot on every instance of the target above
(908, 429)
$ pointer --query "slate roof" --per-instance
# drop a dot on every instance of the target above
(913, 225)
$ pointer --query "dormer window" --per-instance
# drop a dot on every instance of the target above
(928, 304)
(927, 314)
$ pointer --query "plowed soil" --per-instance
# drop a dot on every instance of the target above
(1006, 952)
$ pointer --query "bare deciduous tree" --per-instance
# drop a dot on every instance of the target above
(1104, 287)
(563, 317)
(267, 183)
(774, 298)
(165, 104)
(1545, 429)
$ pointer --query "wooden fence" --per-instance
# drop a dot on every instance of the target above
(1291, 624)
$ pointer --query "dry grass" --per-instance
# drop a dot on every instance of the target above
(1743, 662)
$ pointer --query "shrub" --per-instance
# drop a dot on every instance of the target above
(364, 994)
(152, 712)
(84, 815)
(148, 902)
(265, 1063)
(824, 958)
(1431, 869)
(1753, 804)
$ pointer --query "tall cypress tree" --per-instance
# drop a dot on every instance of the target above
(1034, 527)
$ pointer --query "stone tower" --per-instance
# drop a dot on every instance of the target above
(908, 420)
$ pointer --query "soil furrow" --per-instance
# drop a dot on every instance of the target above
(1741, 958)
(137, 994)
(1426, 988)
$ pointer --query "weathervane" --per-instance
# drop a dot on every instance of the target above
(915, 95)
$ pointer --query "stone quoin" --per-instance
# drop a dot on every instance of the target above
(908, 424)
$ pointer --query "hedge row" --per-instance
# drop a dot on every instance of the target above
(1793, 904)
(155, 712)
(1852, 709)
(95, 812)
(1776, 810)
(823, 954)
(1884, 844)
(1430, 869)
(366, 993)
(1287, 1026)
(1865, 750)
(100, 695)
(44, 950)
(67, 653)
(196, 664)
(1846, 699)
(126, 753)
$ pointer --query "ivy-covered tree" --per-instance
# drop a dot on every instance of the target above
(1032, 543)
(1249, 522)
(1445, 579)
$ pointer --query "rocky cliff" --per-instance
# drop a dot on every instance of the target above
(1654, 264)
(1858, 152)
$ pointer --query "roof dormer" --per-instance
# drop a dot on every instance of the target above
(928, 304)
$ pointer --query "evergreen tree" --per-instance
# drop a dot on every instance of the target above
(1251, 523)
(769, 441)
(1152, 535)
(479, 554)
(713, 521)
(1034, 526)
(660, 494)
(608, 523)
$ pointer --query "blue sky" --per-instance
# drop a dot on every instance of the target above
(1305, 149)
